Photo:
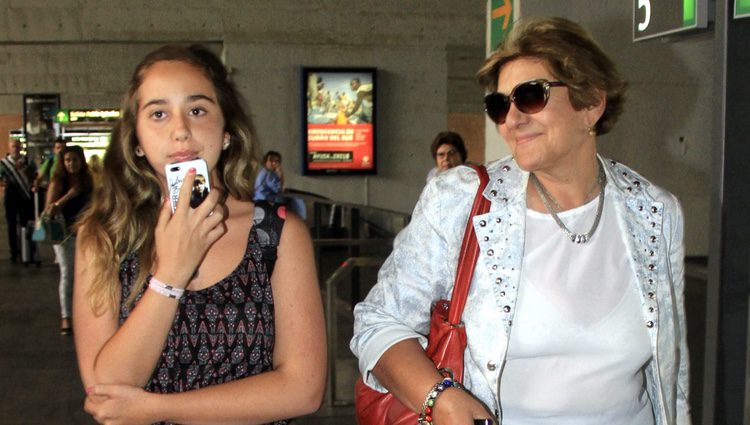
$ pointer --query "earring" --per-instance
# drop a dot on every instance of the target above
(591, 131)
(139, 152)
(225, 146)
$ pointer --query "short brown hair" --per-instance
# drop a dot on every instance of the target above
(571, 55)
(449, 138)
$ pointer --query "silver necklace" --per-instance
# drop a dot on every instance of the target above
(549, 200)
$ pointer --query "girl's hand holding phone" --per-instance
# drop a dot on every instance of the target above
(182, 238)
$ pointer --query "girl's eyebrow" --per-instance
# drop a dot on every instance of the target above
(191, 98)
(195, 97)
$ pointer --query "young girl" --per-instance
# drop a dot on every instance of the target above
(209, 315)
(69, 192)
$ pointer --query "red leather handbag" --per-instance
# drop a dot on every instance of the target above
(447, 339)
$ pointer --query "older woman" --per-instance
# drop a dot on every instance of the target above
(575, 314)
(448, 151)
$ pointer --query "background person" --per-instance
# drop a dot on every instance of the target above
(16, 174)
(575, 314)
(270, 179)
(46, 171)
(448, 150)
(68, 194)
(269, 183)
(95, 166)
(208, 315)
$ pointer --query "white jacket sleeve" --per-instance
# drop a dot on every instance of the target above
(419, 271)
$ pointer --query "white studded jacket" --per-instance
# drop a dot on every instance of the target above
(421, 270)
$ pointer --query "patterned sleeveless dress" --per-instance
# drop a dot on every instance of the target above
(224, 332)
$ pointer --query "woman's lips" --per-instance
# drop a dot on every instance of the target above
(525, 138)
(183, 156)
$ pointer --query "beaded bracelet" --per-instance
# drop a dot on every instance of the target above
(164, 289)
(425, 418)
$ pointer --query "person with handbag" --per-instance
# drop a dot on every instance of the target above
(210, 314)
(68, 194)
(575, 313)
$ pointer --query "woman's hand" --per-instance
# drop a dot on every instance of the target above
(183, 238)
(52, 210)
(458, 407)
(119, 404)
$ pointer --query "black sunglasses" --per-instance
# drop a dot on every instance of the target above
(529, 97)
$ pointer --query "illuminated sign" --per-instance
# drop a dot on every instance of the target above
(656, 18)
(86, 115)
(742, 8)
(339, 106)
(501, 18)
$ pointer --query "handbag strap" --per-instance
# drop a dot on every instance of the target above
(469, 253)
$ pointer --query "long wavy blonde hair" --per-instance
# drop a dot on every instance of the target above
(124, 208)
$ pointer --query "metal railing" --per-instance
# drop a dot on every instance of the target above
(332, 324)
(361, 234)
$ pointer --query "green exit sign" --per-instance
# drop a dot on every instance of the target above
(742, 8)
(656, 18)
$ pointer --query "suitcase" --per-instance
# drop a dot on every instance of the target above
(27, 245)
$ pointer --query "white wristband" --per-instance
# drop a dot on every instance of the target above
(164, 289)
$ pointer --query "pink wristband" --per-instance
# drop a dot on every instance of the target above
(164, 289)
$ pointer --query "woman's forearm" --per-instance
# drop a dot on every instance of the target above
(131, 354)
(407, 372)
(53, 194)
(274, 395)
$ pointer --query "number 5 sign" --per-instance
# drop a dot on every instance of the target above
(656, 18)
(742, 8)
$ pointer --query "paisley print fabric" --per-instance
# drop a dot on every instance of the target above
(226, 331)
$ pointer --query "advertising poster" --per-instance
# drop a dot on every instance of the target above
(39, 115)
(339, 108)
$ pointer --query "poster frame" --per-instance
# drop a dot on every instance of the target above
(316, 121)
(44, 106)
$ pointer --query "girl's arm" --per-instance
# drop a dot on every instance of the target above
(56, 199)
(293, 388)
(127, 354)
(53, 193)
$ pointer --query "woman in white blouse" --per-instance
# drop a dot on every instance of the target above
(575, 313)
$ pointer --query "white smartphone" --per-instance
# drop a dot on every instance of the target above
(175, 173)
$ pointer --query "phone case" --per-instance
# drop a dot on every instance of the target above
(175, 173)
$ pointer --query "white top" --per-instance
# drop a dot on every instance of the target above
(432, 174)
(578, 345)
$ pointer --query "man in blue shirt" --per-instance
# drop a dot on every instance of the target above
(270, 183)
(270, 180)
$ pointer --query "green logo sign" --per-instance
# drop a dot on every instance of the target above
(741, 8)
(62, 116)
(688, 13)
(501, 21)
